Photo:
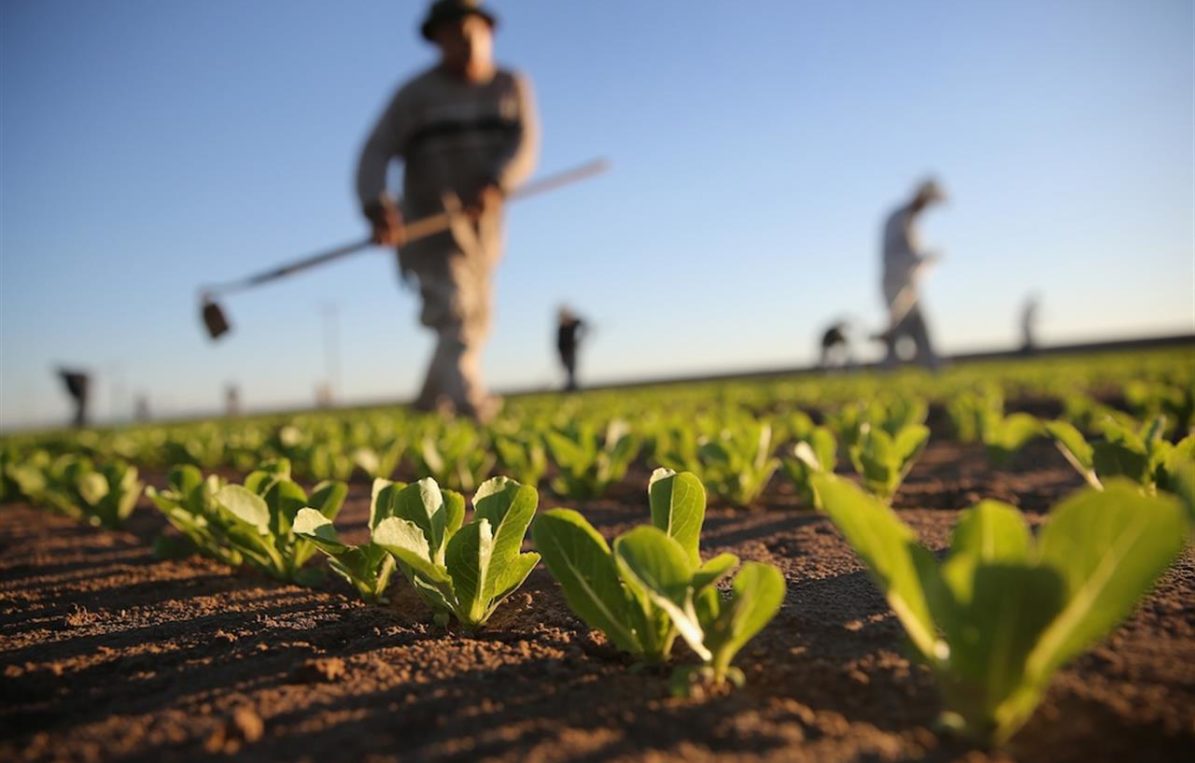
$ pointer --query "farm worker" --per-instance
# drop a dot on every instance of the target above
(835, 346)
(467, 134)
(1029, 324)
(569, 332)
(904, 262)
(77, 385)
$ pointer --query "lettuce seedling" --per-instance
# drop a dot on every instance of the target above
(189, 505)
(653, 586)
(1003, 436)
(380, 462)
(1142, 456)
(1002, 613)
(738, 463)
(589, 463)
(456, 456)
(816, 454)
(883, 460)
(522, 456)
(252, 522)
(102, 497)
(462, 570)
(368, 567)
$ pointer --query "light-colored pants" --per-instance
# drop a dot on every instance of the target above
(913, 326)
(455, 283)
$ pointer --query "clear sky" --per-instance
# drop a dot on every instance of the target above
(147, 147)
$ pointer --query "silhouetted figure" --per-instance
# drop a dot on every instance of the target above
(904, 262)
(232, 400)
(569, 333)
(467, 134)
(835, 349)
(1029, 325)
(77, 384)
(141, 408)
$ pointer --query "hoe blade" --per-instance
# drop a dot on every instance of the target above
(214, 319)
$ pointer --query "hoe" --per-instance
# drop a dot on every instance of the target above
(216, 321)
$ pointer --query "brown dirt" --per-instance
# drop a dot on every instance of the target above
(109, 654)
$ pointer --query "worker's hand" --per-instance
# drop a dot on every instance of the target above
(386, 222)
(488, 199)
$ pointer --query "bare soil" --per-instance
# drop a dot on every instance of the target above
(110, 654)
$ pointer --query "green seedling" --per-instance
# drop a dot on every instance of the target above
(817, 454)
(462, 570)
(1003, 612)
(883, 460)
(652, 585)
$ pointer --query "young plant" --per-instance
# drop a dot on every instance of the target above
(189, 505)
(522, 456)
(102, 497)
(884, 460)
(816, 454)
(589, 463)
(456, 456)
(738, 463)
(1004, 436)
(253, 522)
(379, 463)
(1003, 612)
(1142, 456)
(462, 570)
(368, 567)
(653, 586)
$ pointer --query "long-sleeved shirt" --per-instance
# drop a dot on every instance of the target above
(902, 255)
(451, 135)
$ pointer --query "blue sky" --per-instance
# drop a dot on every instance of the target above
(148, 147)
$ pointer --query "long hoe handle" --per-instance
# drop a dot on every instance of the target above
(413, 231)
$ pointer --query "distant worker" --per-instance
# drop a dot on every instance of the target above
(569, 333)
(1029, 324)
(467, 134)
(835, 346)
(232, 400)
(77, 386)
(904, 263)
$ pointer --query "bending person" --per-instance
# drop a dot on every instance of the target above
(904, 263)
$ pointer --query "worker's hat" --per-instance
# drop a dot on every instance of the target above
(451, 10)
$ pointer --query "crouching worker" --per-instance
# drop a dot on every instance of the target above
(467, 134)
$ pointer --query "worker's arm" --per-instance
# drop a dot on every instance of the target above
(385, 142)
(518, 162)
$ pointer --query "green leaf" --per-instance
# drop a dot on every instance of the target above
(988, 533)
(246, 507)
(92, 487)
(423, 504)
(317, 528)
(678, 508)
(328, 498)
(990, 636)
(1109, 548)
(468, 561)
(284, 499)
(756, 596)
(509, 507)
(1075, 449)
(656, 570)
(406, 540)
(713, 571)
(1116, 459)
(579, 559)
(890, 550)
